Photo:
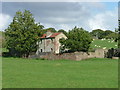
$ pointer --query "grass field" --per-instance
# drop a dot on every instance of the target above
(93, 73)
(104, 43)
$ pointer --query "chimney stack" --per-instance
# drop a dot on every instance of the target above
(48, 33)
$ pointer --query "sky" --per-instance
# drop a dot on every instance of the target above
(65, 15)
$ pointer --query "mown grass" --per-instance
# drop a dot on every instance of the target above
(92, 73)
(104, 43)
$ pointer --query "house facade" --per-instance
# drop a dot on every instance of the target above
(49, 42)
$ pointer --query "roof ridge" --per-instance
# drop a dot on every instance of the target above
(52, 35)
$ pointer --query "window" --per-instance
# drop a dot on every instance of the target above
(41, 50)
(51, 49)
(41, 41)
(52, 40)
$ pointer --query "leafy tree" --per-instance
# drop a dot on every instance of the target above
(112, 36)
(51, 29)
(119, 35)
(116, 30)
(78, 40)
(107, 32)
(48, 29)
(63, 31)
(43, 31)
(98, 33)
(62, 47)
(22, 34)
(3, 40)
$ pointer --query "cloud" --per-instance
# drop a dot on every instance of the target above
(60, 0)
(119, 10)
(0, 7)
(66, 27)
(57, 14)
(66, 15)
(105, 21)
(4, 21)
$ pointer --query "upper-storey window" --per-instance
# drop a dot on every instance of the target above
(41, 41)
(52, 40)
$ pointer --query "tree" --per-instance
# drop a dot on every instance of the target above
(107, 32)
(97, 33)
(51, 29)
(116, 30)
(22, 34)
(63, 31)
(78, 40)
(119, 35)
(3, 40)
(112, 36)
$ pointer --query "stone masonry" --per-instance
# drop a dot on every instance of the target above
(49, 42)
(99, 53)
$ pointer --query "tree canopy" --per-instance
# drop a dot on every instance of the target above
(22, 34)
(97, 33)
(63, 31)
(78, 40)
(51, 29)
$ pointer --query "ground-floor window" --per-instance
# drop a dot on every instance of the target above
(51, 49)
(41, 50)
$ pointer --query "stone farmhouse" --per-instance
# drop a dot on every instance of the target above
(49, 42)
(49, 48)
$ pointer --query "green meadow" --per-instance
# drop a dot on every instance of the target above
(104, 43)
(32, 73)
(36, 73)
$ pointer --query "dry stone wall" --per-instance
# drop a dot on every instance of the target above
(99, 53)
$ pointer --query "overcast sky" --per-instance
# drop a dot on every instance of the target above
(65, 15)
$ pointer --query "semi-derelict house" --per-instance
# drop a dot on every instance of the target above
(49, 42)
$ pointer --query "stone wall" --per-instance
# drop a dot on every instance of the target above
(52, 56)
(99, 53)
